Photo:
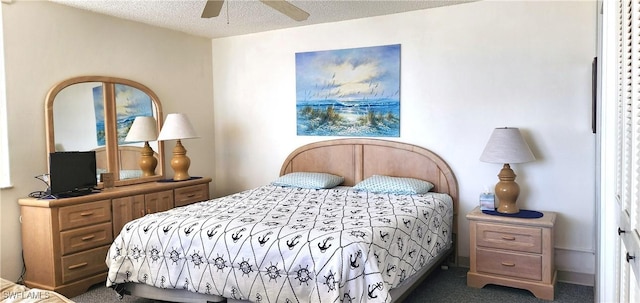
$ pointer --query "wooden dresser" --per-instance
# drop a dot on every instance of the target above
(512, 252)
(65, 241)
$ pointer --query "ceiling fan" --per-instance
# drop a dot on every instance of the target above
(213, 7)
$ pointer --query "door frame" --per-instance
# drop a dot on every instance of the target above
(607, 210)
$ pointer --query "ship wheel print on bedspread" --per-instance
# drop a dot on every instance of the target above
(289, 246)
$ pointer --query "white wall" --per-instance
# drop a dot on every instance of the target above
(465, 70)
(46, 43)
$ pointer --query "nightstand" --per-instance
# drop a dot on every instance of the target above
(514, 252)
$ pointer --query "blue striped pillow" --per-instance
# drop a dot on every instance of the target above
(394, 185)
(309, 180)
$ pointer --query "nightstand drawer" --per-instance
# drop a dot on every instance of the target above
(84, 214)
(509, 264)
(84, 264)
(191, 194)
(85, 238)
(509, 237)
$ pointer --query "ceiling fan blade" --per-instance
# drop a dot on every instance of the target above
(212, 8)
(288, 9)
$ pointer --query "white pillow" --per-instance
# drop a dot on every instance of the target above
(309, 180)
(394, 185)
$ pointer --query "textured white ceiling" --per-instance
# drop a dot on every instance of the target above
(240, 17)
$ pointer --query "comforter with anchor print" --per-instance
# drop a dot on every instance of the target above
(285, 244)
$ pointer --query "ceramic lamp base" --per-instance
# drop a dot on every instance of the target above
(180, 163)
(147, 161)
(507, 191)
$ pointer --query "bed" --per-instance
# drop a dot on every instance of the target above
(292, 244)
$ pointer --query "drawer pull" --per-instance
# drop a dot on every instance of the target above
(621, 231)
(83, 264)
(86, 214)
(629, 257)
(191, 195)
(508, 264)
(87, 238)
(508, 238)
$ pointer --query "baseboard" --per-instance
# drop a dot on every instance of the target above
(578, 278)
(575, 266)
(564, 276)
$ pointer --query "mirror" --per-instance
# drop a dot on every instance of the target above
(94, 113)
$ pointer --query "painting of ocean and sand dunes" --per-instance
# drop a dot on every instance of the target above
(349, 92)
(130, 103)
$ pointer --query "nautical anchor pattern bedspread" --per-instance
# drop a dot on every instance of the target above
(283, 244)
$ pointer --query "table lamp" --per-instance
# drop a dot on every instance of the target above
(505, 146)
(144, 129)
(178, 127)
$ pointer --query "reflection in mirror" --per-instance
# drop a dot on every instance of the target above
(74, 119)
(95, 113)
(131, 103)
(144, 129)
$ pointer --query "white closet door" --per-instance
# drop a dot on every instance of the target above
(627, 133)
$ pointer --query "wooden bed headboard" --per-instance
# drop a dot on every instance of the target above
(357, 159)
(129, 156)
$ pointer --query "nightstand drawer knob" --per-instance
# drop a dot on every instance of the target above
(621, 231)
(629, 257)
(76, 266)
(509, 238)
(509, 264)
(87, 238)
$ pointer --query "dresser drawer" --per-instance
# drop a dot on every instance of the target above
(85, 238)
(84, 214)
(509, 237)
(84, 264)
(191, 194)
(509, 264)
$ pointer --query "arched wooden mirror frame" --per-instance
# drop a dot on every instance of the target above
(112, 148)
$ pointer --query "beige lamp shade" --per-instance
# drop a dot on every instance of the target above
(143, 129)
(177, 126)
(505, 146)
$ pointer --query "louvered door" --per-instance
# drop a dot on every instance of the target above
(627, 193)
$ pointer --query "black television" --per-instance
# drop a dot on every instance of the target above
(72, 173)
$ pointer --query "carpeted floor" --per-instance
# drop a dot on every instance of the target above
(442, 286)
(450, 286)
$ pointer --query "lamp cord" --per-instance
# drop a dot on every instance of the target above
(43, 194)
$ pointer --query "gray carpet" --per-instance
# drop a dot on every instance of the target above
(442, 286)
(450, 286)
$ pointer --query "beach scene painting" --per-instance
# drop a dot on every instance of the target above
(349, 92)
(130, 103)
